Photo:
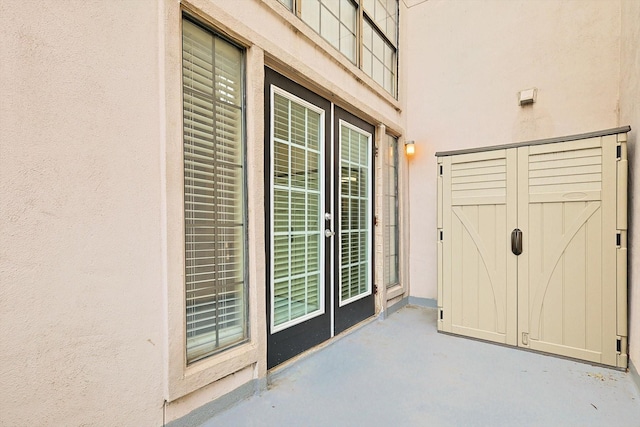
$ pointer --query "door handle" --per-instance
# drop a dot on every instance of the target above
(329, 233)
(516, 241)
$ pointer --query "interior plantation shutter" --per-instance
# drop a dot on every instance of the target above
(214, 193)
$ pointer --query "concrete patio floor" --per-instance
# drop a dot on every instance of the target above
(401, 372)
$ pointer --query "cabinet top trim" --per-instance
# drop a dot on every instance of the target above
(623, 129)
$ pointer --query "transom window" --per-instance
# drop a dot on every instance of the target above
(214, 192)
(340, 22)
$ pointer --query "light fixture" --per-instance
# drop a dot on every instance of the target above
(409, 147)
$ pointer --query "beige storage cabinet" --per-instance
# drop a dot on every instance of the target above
(532, 245)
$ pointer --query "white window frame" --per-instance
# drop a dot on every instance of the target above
(369, 214)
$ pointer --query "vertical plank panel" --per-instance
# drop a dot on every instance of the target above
(552, 231)
(510, 212)
(486, 299)
(523, 282)
(593, 272)
(457, 261)
(609, 217)
(447, 245)
(470, 270)
(502, 229)
(574, 280)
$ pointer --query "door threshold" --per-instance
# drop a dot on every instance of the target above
(276, 370)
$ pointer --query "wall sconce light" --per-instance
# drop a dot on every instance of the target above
(409, 147)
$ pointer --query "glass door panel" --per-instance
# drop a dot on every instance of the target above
(355, 214)
(297, 291)
(353, 260)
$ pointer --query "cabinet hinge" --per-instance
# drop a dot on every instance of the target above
(618, 152)
(441, 234)
(441, 314)
(618, 239)
(440, 170)
(619, 345)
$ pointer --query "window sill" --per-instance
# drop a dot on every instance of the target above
(206, 371)
(395, 291)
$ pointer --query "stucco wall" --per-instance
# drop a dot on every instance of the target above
(91, 306)
(81, 335)
(467, 61)
(630, 114)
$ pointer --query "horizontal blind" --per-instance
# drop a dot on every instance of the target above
(354, 213)
(213, 193)
(297, 209)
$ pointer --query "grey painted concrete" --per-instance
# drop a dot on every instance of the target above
(634, 374)
(423, 302)
(401, 372)
(205, 412)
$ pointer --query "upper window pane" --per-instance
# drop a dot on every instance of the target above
(335, 21)
(287, 3)
(384, 14)
(378, 58)
(215, 283)
(342, 25)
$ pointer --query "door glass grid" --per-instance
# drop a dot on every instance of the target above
(296, 225)
(354, 214)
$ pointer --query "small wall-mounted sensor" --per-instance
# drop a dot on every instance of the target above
(528, 96)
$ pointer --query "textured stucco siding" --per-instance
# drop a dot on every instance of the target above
(81, 318)
(466, 63)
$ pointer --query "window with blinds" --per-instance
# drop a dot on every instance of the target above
(391, 235)
(214, 192)
(354, 213)
(297, 248)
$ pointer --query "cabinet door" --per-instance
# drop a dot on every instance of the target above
(567, 271)
(478, 280)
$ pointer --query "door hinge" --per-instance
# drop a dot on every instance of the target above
(375, 152)
(440, 170)
(441, 234)
(375, 289)
(618, 152)
(619, 345)
(618, 239)
(441, 314)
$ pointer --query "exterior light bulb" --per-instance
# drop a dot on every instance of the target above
(410, 148)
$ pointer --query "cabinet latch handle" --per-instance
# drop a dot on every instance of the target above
(516, 241)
